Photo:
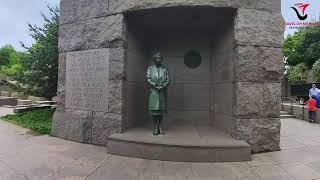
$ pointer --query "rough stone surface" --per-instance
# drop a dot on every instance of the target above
(62, 74)
(257, 100)
(71, 124)
(248, 99)
(105, 124)
(269, 5)
(116, 96)
(117, 63)
(77, 10)
(256, 27)
(246, 64)
(67, 11)
(89, 9)
(125, 5)
(94, 33)
(262, 134)
(271, 66)
(271, 100)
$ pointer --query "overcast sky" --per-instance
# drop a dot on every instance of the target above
(14, 15)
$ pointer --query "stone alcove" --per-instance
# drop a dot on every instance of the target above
(199, 96)
(239, 42)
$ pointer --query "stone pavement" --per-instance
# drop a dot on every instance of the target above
(26, 156)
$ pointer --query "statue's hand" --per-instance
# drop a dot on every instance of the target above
(158, 88)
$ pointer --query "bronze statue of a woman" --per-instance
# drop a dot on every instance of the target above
(158, 79)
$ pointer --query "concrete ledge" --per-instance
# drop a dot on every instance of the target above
(11, 101)
(300, 111)
(181, 144)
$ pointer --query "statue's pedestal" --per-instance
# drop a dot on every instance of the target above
(181, 144)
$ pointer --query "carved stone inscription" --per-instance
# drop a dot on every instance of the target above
(87, 80)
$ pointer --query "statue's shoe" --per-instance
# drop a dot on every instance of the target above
(155, 132)
(161, 131)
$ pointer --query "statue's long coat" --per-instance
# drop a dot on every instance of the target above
(158, 76)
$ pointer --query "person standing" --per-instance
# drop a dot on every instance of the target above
(158, 79)
(312, 107)
(314, 91)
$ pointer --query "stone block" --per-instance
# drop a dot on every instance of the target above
(11, 101)
(261, 28)
(253, 100)
(93, 33)
(105, 124)
(271, 100)
(73, 125)
(246, 64)
(269, 5)
(271, 65)
(248, 100)
(35, 98)
(115, 96)
(85, 9)
(67, 11)
(87, 80)
(62, 74)
(117, 63)
(24, 102)
(262, 134)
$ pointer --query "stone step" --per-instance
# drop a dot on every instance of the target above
(24, 102)
(180, 144)
(284, 116)
(283, 113)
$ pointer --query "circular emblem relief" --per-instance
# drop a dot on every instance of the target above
(192, 59)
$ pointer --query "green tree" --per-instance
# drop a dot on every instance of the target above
(41, 60)
(5, 54)
(316, 70)
(303, 46)
(298, 74)
(14, 66)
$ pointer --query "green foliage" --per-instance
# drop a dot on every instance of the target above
(37, 120)
(41, 60)
(303, 46)
(5, 54)
(298, 74)
(10, 61)
(316, 70)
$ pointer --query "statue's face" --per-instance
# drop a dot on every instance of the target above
(158, 60)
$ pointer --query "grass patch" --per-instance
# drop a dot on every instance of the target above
(37, 120)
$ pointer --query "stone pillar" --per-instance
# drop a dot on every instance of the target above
(92, 47)
(258, 71)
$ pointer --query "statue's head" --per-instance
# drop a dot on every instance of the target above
(157, 58)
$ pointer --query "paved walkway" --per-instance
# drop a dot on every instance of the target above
(24, 156)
